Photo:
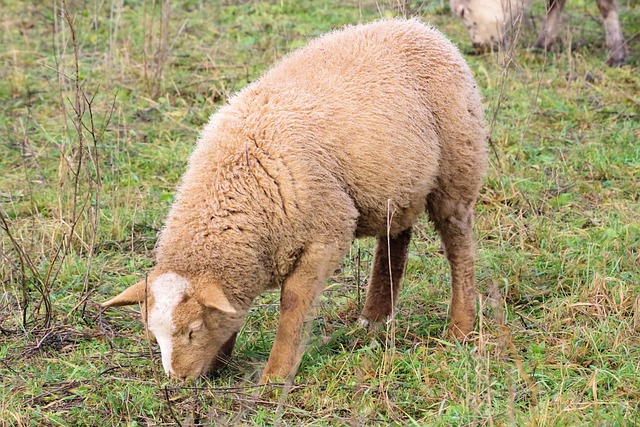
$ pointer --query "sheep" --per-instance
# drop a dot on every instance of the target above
(489, 22)
(356, 134)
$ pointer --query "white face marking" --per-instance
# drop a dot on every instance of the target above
(168, 290)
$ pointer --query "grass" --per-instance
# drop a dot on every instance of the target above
(89, 171)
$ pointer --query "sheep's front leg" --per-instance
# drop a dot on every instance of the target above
(299, 291)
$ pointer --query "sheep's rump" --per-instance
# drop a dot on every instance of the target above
(385, 112)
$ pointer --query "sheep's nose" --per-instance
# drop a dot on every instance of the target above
(180, 377)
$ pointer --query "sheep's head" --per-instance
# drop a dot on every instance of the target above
(192, 320)
(488, 21)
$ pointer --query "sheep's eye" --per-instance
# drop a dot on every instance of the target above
(194, 328)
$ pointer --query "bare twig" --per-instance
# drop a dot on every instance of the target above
(26, 262)
(170, 405)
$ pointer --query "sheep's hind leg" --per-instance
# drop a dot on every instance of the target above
(383, 288)
(454, 221)
(299, 291)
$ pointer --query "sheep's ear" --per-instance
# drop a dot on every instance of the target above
(132, 295)
(213, 297)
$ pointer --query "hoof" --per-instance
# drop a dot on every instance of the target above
(458, 334)
(373, 325)
(365, 323)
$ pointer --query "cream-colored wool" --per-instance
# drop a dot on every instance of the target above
(363, 126)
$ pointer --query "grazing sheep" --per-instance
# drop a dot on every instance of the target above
(489, 21)
(356, 134)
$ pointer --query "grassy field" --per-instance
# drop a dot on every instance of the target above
(101, 104)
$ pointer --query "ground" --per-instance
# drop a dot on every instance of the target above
(101, 105)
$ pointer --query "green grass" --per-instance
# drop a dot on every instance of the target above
(558, 336)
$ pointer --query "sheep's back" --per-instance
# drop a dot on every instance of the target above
(384, 108)
(373, 116)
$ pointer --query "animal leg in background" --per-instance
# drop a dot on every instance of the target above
(614, 40)
(548, 33)
(298, 293)
(380, 300)
(453, 218)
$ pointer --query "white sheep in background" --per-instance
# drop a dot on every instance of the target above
(490, 21)
(356, 134)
